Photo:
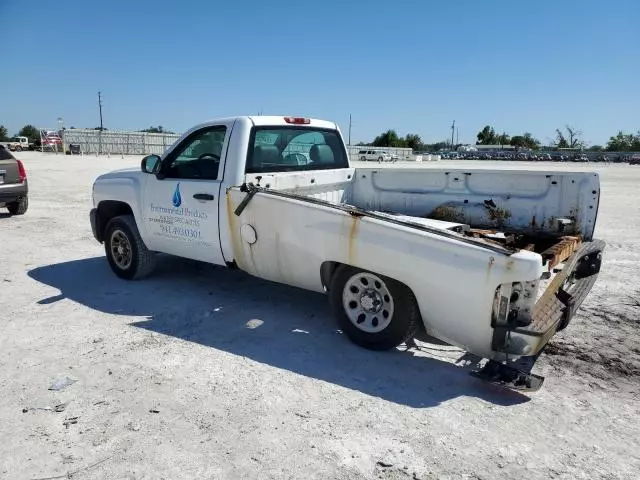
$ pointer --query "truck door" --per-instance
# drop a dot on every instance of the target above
(181, 202)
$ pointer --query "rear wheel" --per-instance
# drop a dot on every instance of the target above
(18, 148)
(374, 311)
(19, 207)
(363, 158)
(127, 254)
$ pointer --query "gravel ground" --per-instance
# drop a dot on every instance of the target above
(200, 372)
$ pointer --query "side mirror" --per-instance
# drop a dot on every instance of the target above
(150, 164)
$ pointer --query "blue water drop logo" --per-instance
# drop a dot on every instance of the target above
(177, 198)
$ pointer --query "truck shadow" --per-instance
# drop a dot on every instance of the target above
(277, 325)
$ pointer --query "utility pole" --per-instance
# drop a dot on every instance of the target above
(100, 107)
(101, 126)
(457, 136)
(453, 128)
(61, 133)
(349, 129)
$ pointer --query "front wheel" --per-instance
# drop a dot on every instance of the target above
(375, 312)
(127, 254)
(18, 149)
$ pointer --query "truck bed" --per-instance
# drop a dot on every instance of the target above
(515, 209)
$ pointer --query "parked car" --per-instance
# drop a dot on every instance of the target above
(379, 155)
(397, 250)
(74, 149)
(634, 160)
(14, 190)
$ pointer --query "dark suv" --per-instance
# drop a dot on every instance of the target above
(13, 183)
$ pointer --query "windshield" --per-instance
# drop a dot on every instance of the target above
(285, 149)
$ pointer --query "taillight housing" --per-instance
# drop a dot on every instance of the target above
(297, 120)
(22, 173)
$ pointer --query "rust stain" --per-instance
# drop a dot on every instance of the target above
(561, 251)
(447, 213)
(498, 215)
(510, 264)
(236, 241)
(533, 222)
(353, 235)
(479, 232)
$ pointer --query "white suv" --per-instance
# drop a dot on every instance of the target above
(378, 155)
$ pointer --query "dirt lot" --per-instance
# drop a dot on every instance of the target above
(175, 380)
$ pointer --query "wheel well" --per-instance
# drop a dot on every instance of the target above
(107, 210)
(329, 268)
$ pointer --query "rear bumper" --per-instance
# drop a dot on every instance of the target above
(556, 307)
(95, 224)
(12, 192)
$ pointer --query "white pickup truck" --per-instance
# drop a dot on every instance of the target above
(493, 261)
(17, 144)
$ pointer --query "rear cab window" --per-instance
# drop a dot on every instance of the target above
(290, 148)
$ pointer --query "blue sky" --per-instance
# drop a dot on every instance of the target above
(409, 65)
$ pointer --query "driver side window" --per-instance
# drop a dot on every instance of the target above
(198, 157)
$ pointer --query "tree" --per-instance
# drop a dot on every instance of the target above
(624, 142)
(518, 141)
(158, 129)
(595, 148)
(530, 142)
(413, 141)
(487, 136)
(434, 147)
(4, 133)
(503, 139)
(561, 142)
(387, 139)
(571, 140)
(620, 143)
(31, 132)
(525, 141)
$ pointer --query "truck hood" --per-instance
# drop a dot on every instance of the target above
(122, 173)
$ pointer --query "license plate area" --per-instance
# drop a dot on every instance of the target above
(2, 175)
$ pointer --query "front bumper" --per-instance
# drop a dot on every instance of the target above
(556, 307)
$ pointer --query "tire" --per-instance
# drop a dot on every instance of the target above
(135, 261)
(380, 159)
(19, 207)
(363, 158)
(403, 319)
(18, 149)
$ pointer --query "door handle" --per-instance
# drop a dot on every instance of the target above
(203, 196)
